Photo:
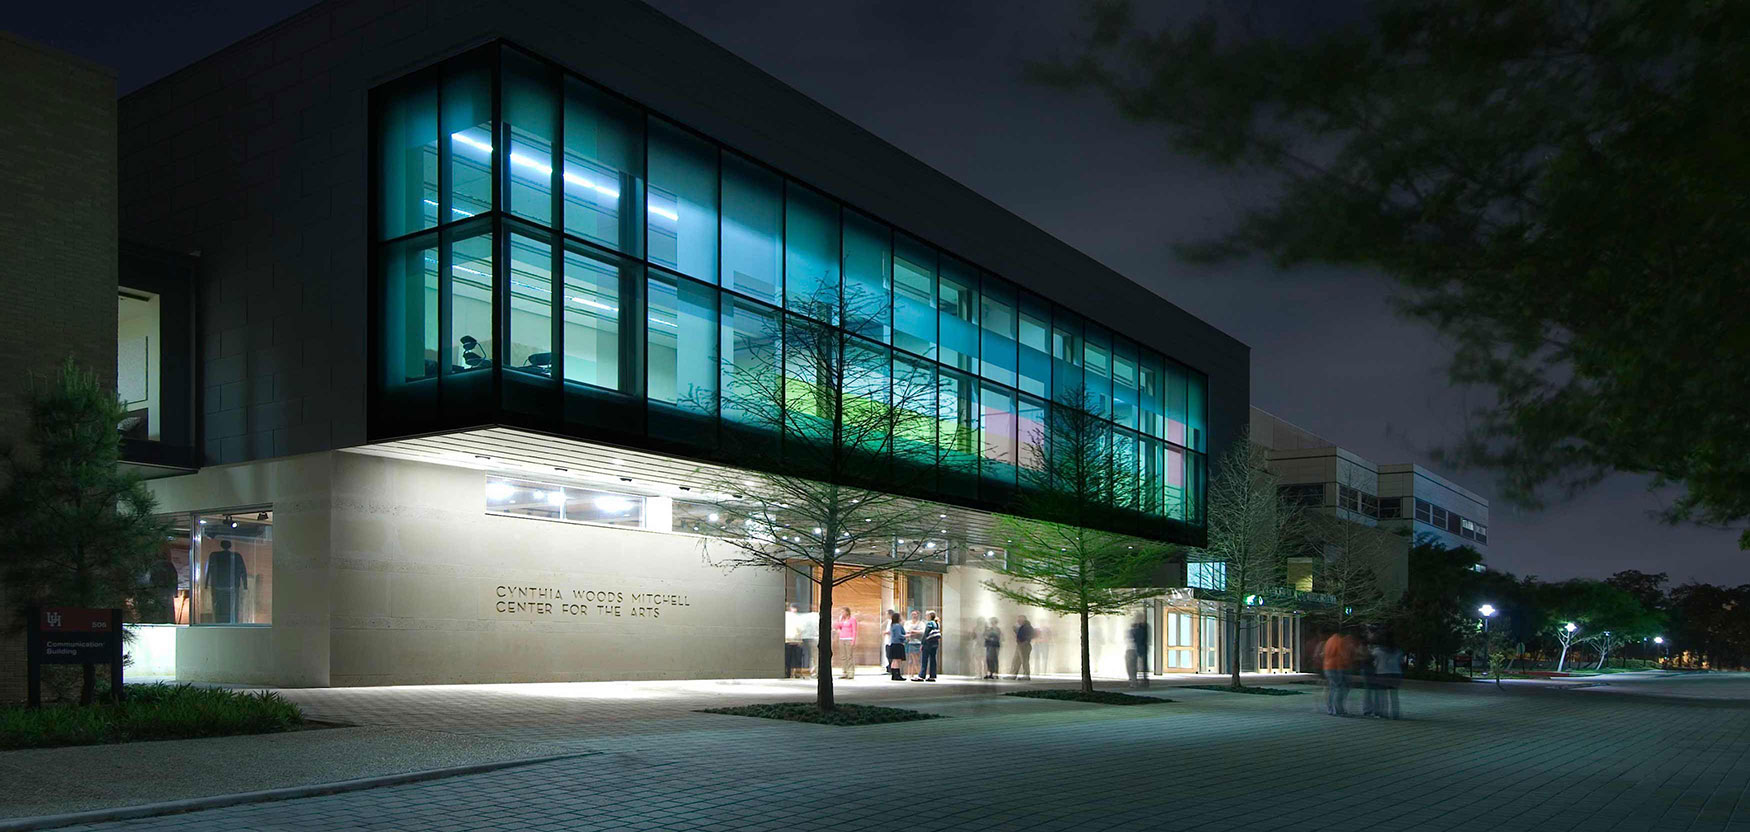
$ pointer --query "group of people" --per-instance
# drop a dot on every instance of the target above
(991, 638)
(1375, 663)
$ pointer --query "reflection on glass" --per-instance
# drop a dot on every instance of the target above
(531, 305)
(682, 202)
(233, 568)
(471, 303)
(592, 319)
(753, 229)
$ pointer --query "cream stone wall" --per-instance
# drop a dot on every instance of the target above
(1057, 650)
(294, 650)
(428, 588)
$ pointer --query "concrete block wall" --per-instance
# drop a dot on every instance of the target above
(57, 241)
(256, 158)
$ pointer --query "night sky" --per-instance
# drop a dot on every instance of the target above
(942, 82)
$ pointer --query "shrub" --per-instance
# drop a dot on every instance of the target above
(1253, 691)
(841, 715)
(1098, 697)
(151, 712)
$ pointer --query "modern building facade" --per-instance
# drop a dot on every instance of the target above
(1423, 504)
(467, 292)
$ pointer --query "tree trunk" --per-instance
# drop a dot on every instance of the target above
(1603, 653)
(823, 645)
(88, 684)
(1562, 662)
(1087, 663)
(1234, 640)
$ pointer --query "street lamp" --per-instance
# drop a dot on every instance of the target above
(1666, 651)
(1488, 612)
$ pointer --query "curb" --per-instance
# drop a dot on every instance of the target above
(196, 804)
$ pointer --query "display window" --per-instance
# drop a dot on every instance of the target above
(231, 569)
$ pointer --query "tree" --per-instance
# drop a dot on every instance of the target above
(74, 529)
(1350, 557)
(1711, 625)
(1435, 610)
(1250, 529)
(1059, 558)
(1556, 186)
(834, 438)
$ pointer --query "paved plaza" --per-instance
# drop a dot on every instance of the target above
(1634, 754)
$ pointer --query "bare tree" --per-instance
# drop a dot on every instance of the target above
(1059, 558)
(833, 436)
(1250, 528)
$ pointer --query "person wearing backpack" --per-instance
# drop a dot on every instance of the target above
(930, 650)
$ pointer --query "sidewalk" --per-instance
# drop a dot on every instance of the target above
(393, 730)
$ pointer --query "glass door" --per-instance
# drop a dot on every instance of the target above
(1181, 651)
(1275, 643)
(1209, 644)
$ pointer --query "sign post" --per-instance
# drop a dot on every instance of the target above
(73, 635)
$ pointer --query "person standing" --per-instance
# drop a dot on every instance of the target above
(1023, 649)
(1339, 661)
(914, 642)
(1136, 658)
(993, 646)
(1388, 676)
(895, 647)
(930, 654)
(808, 632)
(845, 630)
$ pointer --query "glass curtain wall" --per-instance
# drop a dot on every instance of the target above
(547, 248)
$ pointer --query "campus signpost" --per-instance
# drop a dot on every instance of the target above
(73, 635)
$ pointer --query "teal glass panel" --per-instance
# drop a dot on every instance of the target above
(467, 127)
(531, 306)
(1066, 356)
(914, 405)
(1197, 393)
(811, 253)
(1174, 496)
(410, 311)
(812, 372)
(750, 349)
(753, 229)
(1126, 407)
(681, 346)
(682, 202)
(471, 346)
(914, 296)
(1034, 358)
(1176, 403)
(957, 432)
(1152, 480)
(604, 169)
(998, 316)
(868, 291)
(407, 149)
(1097, 369)
(1126, 469)
(1030, 438)
(531, 109)
(868, 389)
(594, 301)
(997, 427)
(957, 314)
(1152, 395)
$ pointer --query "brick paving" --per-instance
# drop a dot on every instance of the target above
(1466, 757)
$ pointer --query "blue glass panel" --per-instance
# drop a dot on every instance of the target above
(753, 229)
(1035, 346)
(604, 169)
(914, 296)
(682, 341)
(811, 253)
(682, 202)
(998, 315)
(868, 298)
(957, 308)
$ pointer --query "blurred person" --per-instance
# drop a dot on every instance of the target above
(845, 630)
(914, 642)
(1024, 633)
(1042, 646)
(808, 632)
(1388, 676)
(930, 654)
(895, 647)
(1339, 663)
(993, 646)
(1136, 657)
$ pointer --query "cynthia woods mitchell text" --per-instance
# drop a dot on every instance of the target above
(584, 603)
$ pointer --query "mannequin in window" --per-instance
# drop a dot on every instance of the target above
(226, 579)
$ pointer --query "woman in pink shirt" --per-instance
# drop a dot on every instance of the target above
(846, 628)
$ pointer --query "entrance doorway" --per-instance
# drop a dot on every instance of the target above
(1181, 648)
(1276, 640)
(870, 597)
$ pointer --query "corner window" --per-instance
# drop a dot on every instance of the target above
(232, 567)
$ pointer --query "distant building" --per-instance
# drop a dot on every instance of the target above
(1427, 505)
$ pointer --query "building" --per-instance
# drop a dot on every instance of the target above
(58, 123)
(429, 313)
(1427, 506)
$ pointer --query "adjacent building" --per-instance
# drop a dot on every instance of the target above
(429, 316)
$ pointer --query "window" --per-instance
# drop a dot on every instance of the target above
(914, 294)
(467, 128)
(749, 345)
(1097, 364)
(682, 203)
(868, 300)
(682, 344)
(1348, 498)
(811, 253)
(753, 229)
(1369, 505)
(1035, 346)
(593, 317)
(1310, 495)
(139, 345)
(957, 315)
(1066, 355)
(1211, 576)
(471, 346)
(604, 169)
(531, 306)
(530, 112)
(1390, 508)
(997, 360)
(232, 567)
(997, 429)
(1424, 511)
(545, 501)
(694, 518)
(410, 349)
(1124, 384)
(407, 151)
(1151, 396)
(1176, 403)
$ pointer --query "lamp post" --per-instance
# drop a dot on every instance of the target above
(1567, 637)
(1488, 612)
(1664, 651)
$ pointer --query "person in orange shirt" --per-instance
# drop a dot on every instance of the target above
(1339, 660)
